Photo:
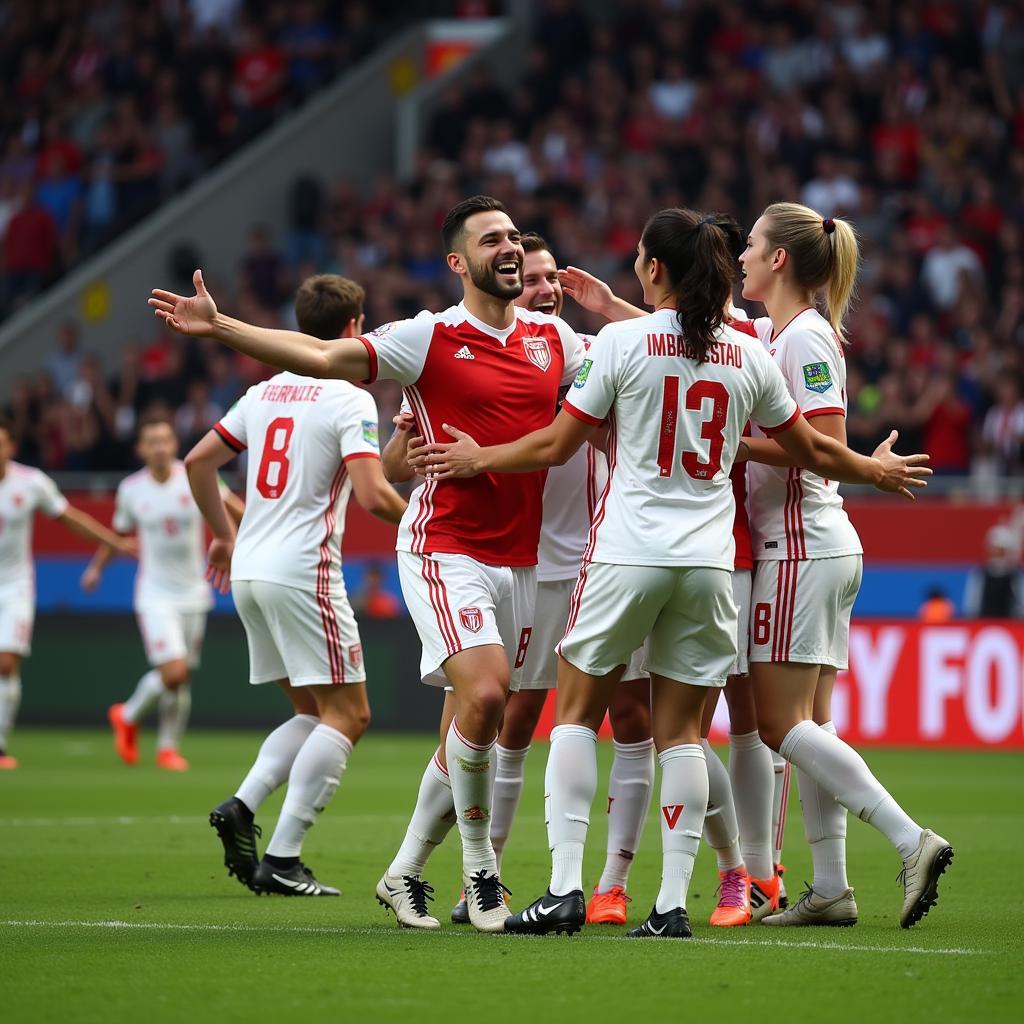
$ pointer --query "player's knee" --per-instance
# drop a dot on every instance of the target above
(772, 734)
(8, 663)
(487, 700)
(174, 674)
(631, 724)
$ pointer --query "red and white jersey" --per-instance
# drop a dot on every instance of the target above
(496, 386)
(22, 491)
(300, 433)
(793, 513)
(675, 425)
(172, 556)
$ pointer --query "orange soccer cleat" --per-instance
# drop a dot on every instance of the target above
(126, 735)
(733, 908)
(780, 870)
(764, 897)
(608, 907)
(170, 760)
(8, 763)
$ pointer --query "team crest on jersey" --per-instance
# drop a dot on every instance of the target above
(583, 373)
(817, 377)
(355, 654)
(471, 618)
(537, 352)
(370, 432)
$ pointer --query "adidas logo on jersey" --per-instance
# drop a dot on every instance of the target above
(464, 353)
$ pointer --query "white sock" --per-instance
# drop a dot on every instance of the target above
(721, 832)
(825, 828)
(314, 777)
(10, 699)
(841, 771)
(275, 759)
(753, 782)
(471, 768)
(173, 707)
(630, 787)
(570, 783)
(684, 799)
(432, 819)
(780, 802)
(508, 788)
(148, 690)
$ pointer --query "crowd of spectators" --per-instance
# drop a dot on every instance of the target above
(907, 118)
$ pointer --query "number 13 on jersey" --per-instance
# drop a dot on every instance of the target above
(712, 429)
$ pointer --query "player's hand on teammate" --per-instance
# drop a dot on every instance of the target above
(902, 472)
(186, 314)
(589, 291)
(218, 569)
(435, 461)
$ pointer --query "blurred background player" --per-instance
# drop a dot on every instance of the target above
(23, 492)
(994, 590)
(172, 596)
(311, 444)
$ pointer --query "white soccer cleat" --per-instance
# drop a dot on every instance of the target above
(485, 896)
(811, 909)
(407, 896)
(920, 876)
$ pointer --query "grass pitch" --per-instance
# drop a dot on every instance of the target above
(114, 906)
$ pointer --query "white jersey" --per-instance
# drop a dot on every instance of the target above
(675, 425)
(793, 513)
(22, 491)
(300, 433)
(172, 557)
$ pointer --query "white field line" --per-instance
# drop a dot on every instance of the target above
(837, 947)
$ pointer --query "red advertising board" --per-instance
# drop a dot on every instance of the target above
(955, 685)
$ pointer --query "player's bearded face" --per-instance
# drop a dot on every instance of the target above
(501, 276)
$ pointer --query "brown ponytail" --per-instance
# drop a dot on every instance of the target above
(694, 251)
(823, 251)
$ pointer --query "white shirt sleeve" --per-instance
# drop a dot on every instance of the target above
(816, 372)
(398, 350)
(124, 520)
(774, 407)
(232, 429)
(574, 349)
(48, 498)
(357, 427)
(593, 391)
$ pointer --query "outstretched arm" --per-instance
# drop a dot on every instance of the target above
(85, 526)
(552, 445)
(594, 295)
(94, 570)
(198, 316)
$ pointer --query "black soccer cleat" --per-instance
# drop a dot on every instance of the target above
(460, 912)
(550, 914)
(297, 880)
(238, 833)
(673, 925)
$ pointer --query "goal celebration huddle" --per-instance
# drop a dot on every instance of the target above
(641, 519)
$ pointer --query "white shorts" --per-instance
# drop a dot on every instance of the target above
(307, 638)
(169, 634)
(800, 611)
(742, 582)
(686, 613)
(457, 603)
(17, 616)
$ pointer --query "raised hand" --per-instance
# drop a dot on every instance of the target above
(194, 315)
(902, 472)
(589, 291)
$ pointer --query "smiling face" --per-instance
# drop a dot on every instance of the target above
(757, 263)
(542, 291)
(490, 254)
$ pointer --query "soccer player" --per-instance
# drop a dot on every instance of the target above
(23, 491)
(311, 444)
(466, 552)
(677, 386)
(172, 596)
(809, 567)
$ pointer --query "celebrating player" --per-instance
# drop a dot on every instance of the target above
(809, 568)
(466, 552)
(172, 596)
(311, 444)
(660, 555)
(23, 491)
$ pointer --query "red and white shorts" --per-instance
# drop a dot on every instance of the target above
(742, 583)
(457, 603)
(800, 611)
(17, 616)
(307, 638)
(170, 634)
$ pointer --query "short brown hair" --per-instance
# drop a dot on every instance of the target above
(453, 227)
(154, 419)
(532, 242)
(325, 303)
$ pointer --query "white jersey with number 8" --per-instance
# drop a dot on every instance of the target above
(300, 433)
(675, 427)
